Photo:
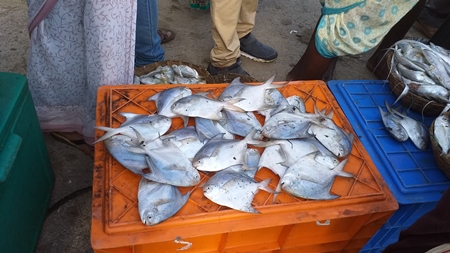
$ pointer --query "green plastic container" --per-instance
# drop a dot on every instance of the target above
(26, 176)
(199, 4)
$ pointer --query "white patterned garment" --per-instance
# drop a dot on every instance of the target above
(349, 27)
(79, 46)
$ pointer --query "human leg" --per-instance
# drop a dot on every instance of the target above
(442, 35)
(312, 65)
(225, 53)
(69, 60)
(224, 16)
(433, 15)
(148, 42)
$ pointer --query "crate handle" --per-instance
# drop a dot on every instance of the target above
(325, 223)
(8, 155)
(178, 240)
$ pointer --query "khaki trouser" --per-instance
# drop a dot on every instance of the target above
(231, 20)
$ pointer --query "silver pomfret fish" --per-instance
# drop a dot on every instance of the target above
(204, 107)
(292, 149)
(251, 162)
(169, 165)
(149, 126)
(240, 123)
(218, 154)
(273, 158)
(230, 91)
(157, 202)
(285, 125)
(118, 146)
(333, 137)
(297, 102)
(254, 97)
(186, 139)
(234, 189)
(310, 179)
(207, 129)
(276, 99)
(165, 99)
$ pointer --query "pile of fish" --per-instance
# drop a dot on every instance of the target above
(403, 127)
(174, 74)
(306, 150)
(424, 69)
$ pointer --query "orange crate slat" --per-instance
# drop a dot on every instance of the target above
(115, 218)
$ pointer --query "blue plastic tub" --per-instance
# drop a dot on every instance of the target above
(411, 174)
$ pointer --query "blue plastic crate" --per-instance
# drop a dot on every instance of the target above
(411, 174)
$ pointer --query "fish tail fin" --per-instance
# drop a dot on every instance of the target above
(403, 93)
(277, 191)
(269, 83)
(446, 108)
(252, 141)
(264, 185)
(185, 120)
(229, 104)
(110, 131)
(186, 196)
(340, 169)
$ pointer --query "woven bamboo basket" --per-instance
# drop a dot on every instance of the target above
(442, 160)
(411, 100)
(150, 67)
(227, 78)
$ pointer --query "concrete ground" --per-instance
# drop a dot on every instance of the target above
(285, 25)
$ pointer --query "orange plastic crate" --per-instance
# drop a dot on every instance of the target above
(289, 225)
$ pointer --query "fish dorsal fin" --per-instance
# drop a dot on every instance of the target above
(236, 81)
(154, 97)
(129, 116)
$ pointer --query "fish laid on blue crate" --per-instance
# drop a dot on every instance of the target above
(411, 173)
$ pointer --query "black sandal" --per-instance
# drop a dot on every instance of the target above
(166, 35)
